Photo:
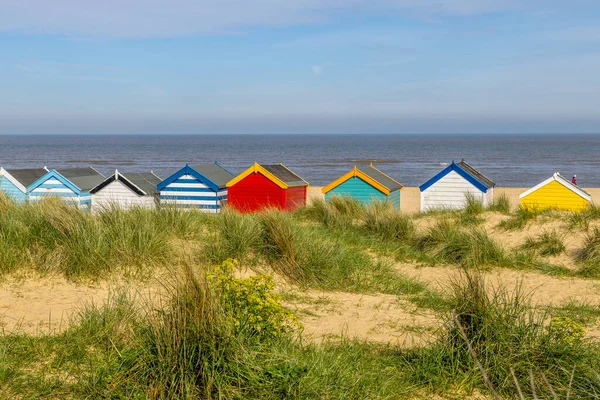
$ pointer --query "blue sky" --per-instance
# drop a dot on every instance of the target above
(304, 66)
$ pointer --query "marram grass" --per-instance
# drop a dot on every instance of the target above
(196, 344)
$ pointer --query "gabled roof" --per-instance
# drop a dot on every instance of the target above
(563, 181)
(84, 178)
(22, 178)
(143, 184)
(279, 174)
(54, 174)
(213, 175)
(371, 175)
(146, 181)
(481, 177)
(473, 176)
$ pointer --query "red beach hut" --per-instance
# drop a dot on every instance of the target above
(262, 186)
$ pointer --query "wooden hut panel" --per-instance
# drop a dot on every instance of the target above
(367, 185)
(255, 192)
(189, 191)
(118, 194)
(450, 192)
(555, 195)
(295, 197)
(54, 187)
(11, 190)
(359, 189)
(200, 186)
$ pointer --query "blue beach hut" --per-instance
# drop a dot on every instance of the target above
(72, 185)
(367, 184)
(202, 186)
(14, 182)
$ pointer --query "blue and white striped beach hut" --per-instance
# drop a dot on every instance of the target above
(196, 186)
(73, 185)
(14, 182)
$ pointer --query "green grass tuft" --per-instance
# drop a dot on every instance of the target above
(500, 204)
(521, 217)
(546, 244)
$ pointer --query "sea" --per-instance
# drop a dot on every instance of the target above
(509, 160)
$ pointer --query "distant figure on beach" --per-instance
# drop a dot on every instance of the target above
(574, 180)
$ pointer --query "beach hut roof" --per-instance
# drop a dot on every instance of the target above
(144, 183)
(84, 178)
(563, 181)
(481, 177)
(54, 174)
(279, 174)
(465, 170)
(213, 175)
(371, 175)
(22, 178)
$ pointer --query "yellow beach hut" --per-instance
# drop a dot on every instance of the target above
(556, 192)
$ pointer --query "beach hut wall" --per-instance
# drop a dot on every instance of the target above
(367, 185)
(264, 186)
(72, 185)
(202, 187)
(14, 182)
(451, 186)
(556, 192)
(126, 191)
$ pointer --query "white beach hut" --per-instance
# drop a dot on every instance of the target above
(126, 190)
(449, 188)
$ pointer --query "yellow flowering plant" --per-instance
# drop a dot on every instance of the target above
(565, 329)
(250, 303)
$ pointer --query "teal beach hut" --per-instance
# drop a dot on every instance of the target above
(367, 184)
(14, 182)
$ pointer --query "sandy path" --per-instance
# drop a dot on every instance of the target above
(378, 318)
(43, 305)
(545, 290)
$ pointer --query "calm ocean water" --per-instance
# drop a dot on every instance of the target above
(509, 160)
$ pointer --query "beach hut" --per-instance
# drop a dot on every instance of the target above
(14, 182)
(365, 184)
(556, 192)
(72, 185)
(262, 186)
(196, 186)
(126, 190)
(451, 186)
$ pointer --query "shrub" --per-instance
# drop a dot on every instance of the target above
(498, 332)
(564, 329)
(250, 304)
(205, 340)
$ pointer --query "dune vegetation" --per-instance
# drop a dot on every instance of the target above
(223, 325)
